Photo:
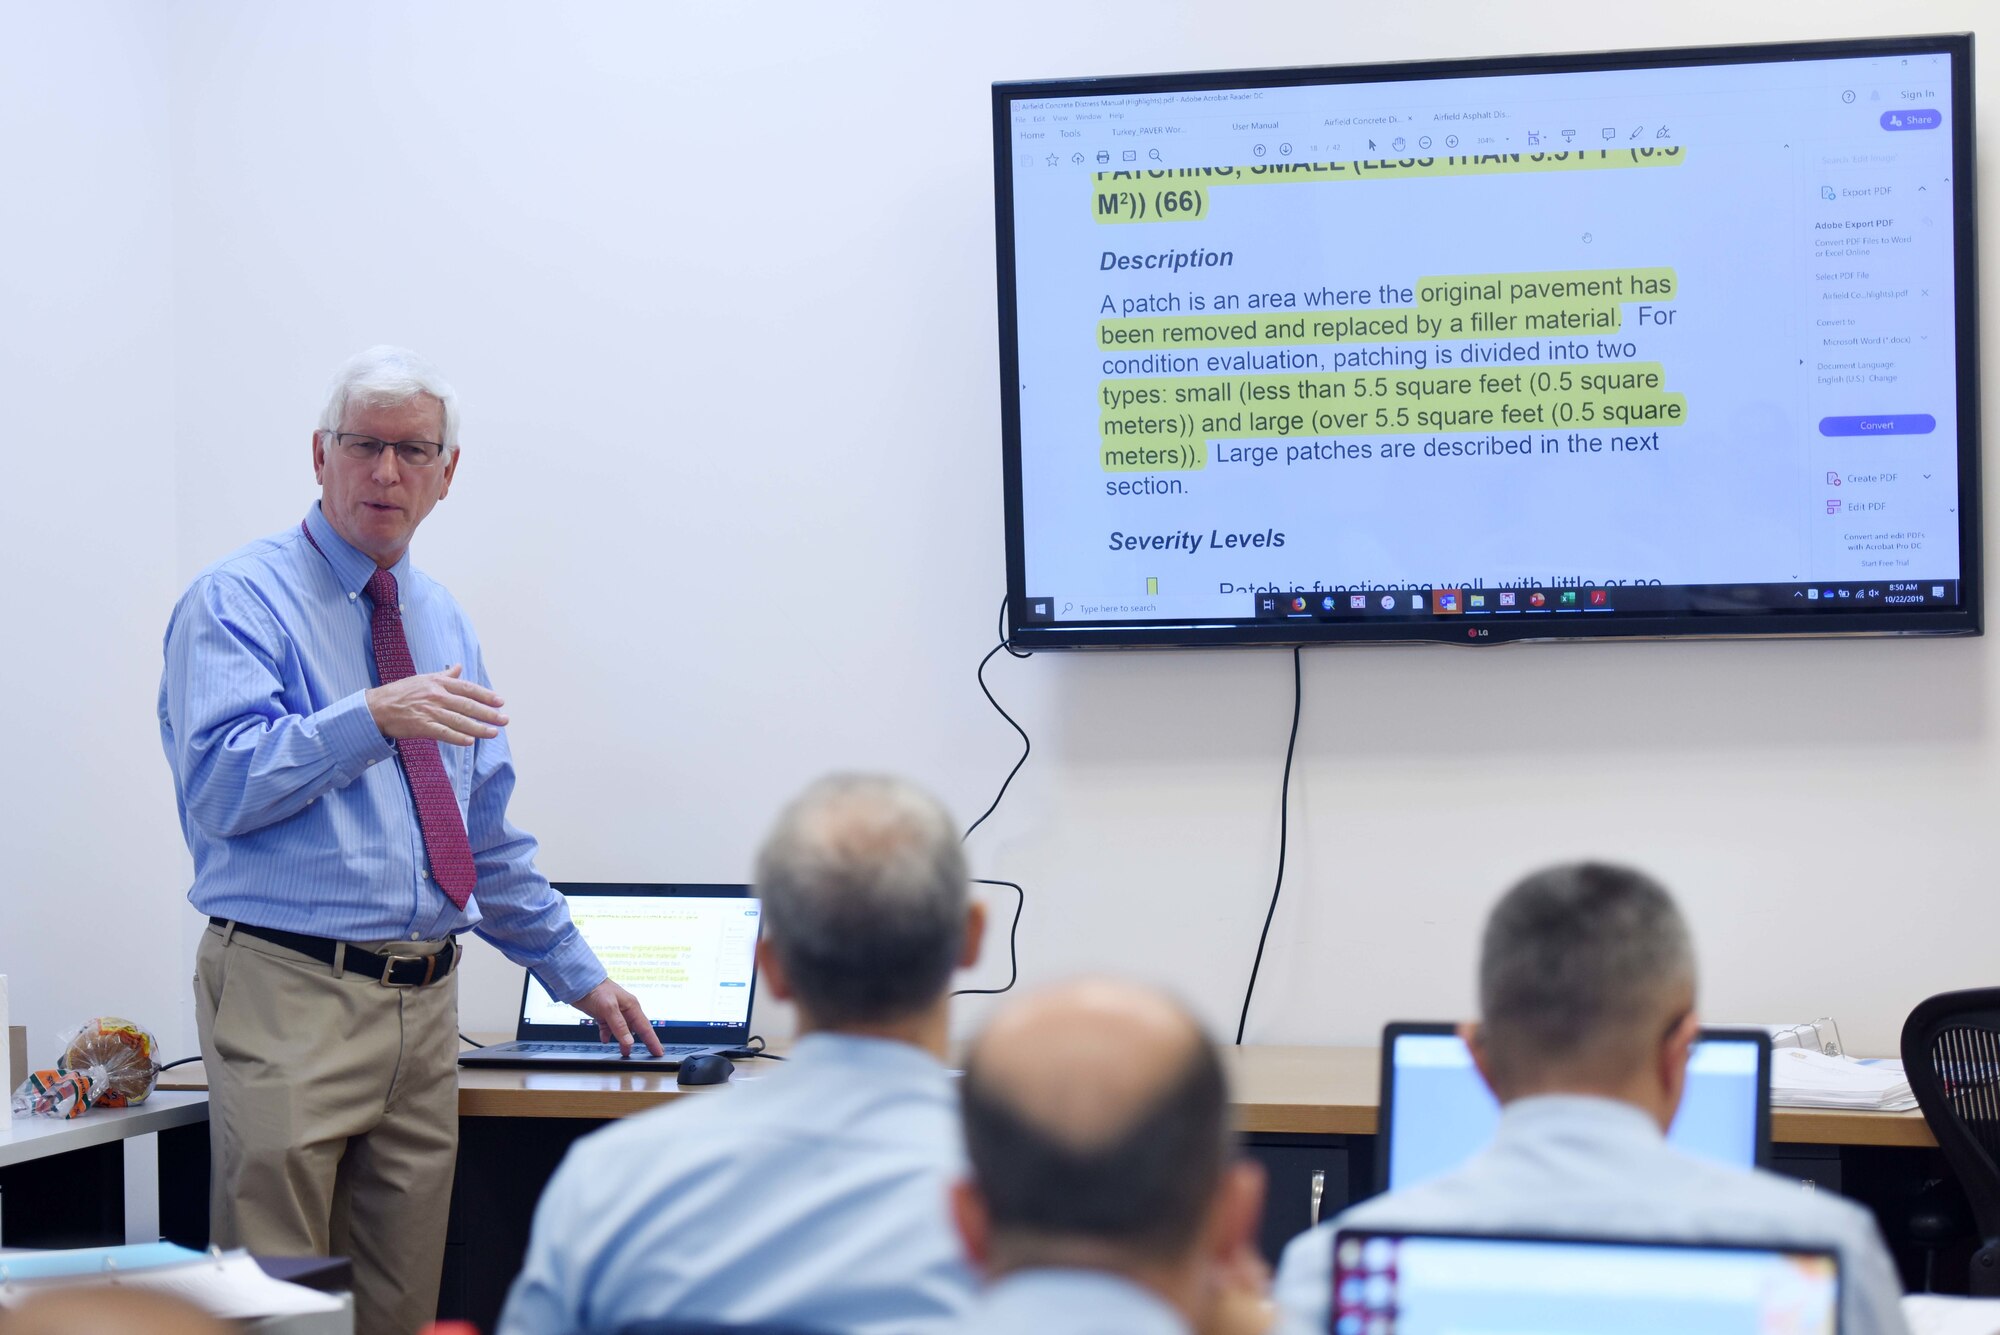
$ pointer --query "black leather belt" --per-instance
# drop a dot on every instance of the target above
(388, 970)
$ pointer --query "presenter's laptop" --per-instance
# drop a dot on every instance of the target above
(1437, 1112)
(1444, 1284)
(687, 952)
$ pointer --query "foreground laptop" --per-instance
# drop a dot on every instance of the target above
(1410, 1283)
(687, 952)
(1436, 1111)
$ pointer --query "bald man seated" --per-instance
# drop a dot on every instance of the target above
(1107, 1192)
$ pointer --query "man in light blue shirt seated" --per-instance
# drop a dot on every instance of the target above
(1587, 996)
(811, 1194)
(1107, 1191)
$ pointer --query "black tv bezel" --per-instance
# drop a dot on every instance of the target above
(1966, 619)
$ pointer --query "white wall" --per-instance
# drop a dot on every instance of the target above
(717, 288)
(87, 835)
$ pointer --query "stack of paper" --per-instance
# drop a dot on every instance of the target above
(228, 1285)
(1802, 1078)
(1930, 1314)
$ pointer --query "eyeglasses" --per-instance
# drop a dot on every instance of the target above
(409, 453)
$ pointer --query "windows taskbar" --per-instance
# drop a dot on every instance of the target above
(1412, 603)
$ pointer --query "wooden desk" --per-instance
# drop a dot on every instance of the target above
(1290, 1091)
(1332, 1092)
(1308, 1115)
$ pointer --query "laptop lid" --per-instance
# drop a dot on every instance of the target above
(1436, 1111)
(687, 952)
(1425, 1283)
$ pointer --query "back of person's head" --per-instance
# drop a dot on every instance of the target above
(99, 1310)
(1097, 1126)
(1585, 971)
(865, 899)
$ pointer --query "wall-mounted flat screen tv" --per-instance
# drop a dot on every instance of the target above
(1650, 343)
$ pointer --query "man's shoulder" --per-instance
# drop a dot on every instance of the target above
(436, 600)
(697, 1120)
(847, 1120)
(1676, 1194)
(1436, 1204)
(1787, 1204)
(257, 562)
(251, 585)
(694, 1127)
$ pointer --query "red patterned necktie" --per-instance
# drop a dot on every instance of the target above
(423, 767)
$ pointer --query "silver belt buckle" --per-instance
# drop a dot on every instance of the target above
(389, 963)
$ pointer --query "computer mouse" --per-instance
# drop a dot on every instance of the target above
(706, 1068)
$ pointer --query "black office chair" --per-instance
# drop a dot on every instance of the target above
(1951, 1055)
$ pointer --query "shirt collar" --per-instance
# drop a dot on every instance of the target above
(351, 566)
(881, 1056)
(1590, 1114)
(1108, 1301)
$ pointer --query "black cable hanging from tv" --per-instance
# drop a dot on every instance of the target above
(1284, 824)
(1020, 895)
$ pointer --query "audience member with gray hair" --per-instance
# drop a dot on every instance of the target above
(1587, 1015)
(1107, 1190)
(814, 1194)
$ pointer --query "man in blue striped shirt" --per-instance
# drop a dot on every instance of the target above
(324, 987)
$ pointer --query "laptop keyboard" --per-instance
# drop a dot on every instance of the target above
(672, 1050)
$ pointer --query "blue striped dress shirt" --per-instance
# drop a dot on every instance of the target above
(297, 815)
(1057, 1301)
(813, 1196)
(1580, 1166)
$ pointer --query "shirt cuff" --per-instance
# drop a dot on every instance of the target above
(571, 969)
(351, 735)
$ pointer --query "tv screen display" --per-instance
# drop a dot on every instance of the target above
(1640, 343)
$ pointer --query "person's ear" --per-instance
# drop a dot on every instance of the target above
(1238, 1212)
(975, 1226)
(1473, 1035)
(975, 933)
(776, 982)
(1673, 1061)
(450, 468)
(319, 457)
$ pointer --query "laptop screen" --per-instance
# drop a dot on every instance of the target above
(1430, 1284)
(1437, 1111)
(688, 953)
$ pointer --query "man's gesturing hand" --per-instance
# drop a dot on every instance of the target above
(437, 705)
(618, 1017)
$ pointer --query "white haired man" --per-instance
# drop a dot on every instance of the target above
(335, 885)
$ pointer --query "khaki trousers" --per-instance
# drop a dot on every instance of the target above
(333, 1117)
